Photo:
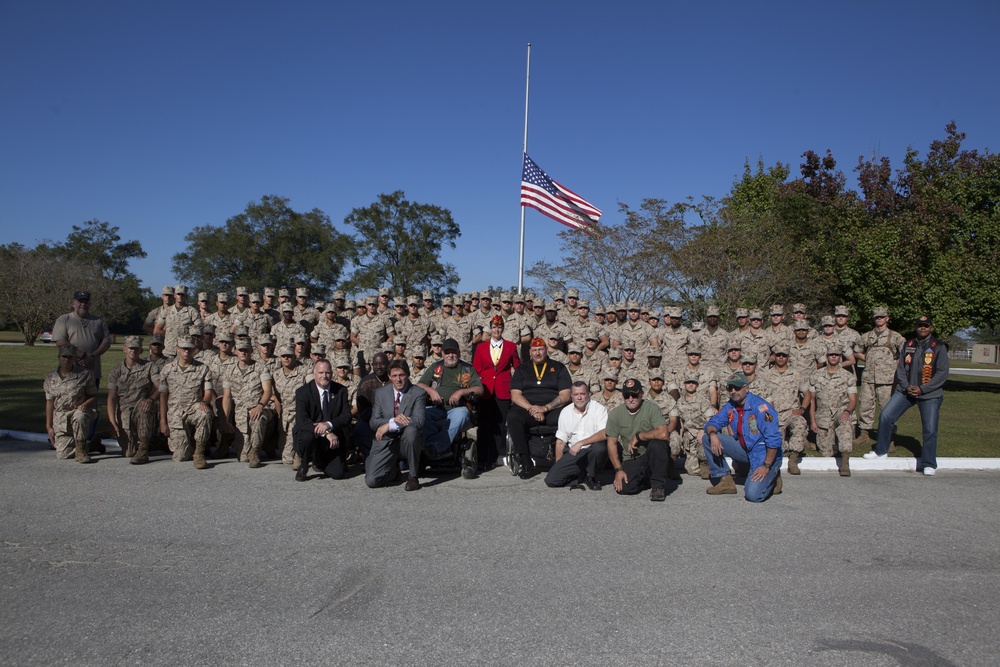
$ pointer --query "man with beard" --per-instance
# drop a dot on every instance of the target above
(450, 385)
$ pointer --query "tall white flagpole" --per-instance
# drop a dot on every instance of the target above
(520, 255)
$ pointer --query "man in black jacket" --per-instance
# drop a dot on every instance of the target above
(321, 414)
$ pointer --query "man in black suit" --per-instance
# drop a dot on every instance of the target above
(398, 422)
(321, 414)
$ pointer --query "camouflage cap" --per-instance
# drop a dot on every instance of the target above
(284, 291)
(558, 296)
(240, 331)
(827, 321)
(632, 304)
(506, 296)
(447, 301)
(616, 353)
(339, 294)
(225, 336)
(697, 325)
(222, 297)
(485, 294)
(749, 357)
(319, 305)
(519, 297)
(208, 329)
(777, 309)
(255, 298)
(835, 347)
(134, 342)
(194, 330)
(286, 351)
(180, 289)
(643, 308)
(319, 348)
(349, 304)
(551, 305)
(574, 348)
(842, 310)
(657, 373)
(301, 339)
(426, 295)
(693, 348)
(330, 308)
(675, 312)
(264, 339)
(654, 350)
(157, 339)
(203, 296)
(629, 345)
(712, 311)
(413, 300)
(340, 335)
(621, 305)
(781, 347)
(168, 290)
(583, 303)
(301, 291)
(242, 291)
(880, 311)
(610, 374)
(186, 342)
(529, 296)
(742, 312)
(692, 376)
(383, 291)
(244, 344)
(372, 299)
(340, 360)
(399, 342)
(799, 308)
(756, 314)
(737, 380)
(572, 292)
(800, 325)
(418, 351)
(632, 386)
(654, 314)
(735, 344)
(436, 339)
(270, 291)
(67, 350)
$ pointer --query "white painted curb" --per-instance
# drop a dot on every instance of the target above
(110, 443)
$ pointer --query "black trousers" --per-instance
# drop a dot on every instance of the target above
(493, 429)
(520, 420)
(650, 469)
(316, 450)
(570, 468)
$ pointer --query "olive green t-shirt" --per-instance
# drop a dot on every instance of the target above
(623, 425)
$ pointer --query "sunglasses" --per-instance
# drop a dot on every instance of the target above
(732, 387)
(629, 395)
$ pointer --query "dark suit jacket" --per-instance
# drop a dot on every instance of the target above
(308, 410)
(496, 378)
(413, 404)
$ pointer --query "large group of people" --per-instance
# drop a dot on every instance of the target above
(390, 383)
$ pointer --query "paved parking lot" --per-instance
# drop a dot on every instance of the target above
(164, 565)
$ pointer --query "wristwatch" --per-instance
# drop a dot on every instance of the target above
(767, 465)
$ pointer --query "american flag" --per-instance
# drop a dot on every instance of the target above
(549, 198)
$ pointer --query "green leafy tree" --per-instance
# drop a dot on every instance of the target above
(268, 244)
(398, 245)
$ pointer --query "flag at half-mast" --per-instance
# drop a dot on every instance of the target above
(559, 203)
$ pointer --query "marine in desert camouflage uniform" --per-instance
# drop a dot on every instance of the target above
(70, 396)
(134, 402)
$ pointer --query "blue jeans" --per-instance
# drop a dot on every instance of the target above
(756, 492)
(441, 426)
(894, 409)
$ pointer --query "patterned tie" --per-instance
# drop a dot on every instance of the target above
(395, 405)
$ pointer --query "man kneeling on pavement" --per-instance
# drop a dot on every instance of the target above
(638, 431)
(581, 449)
(756, 440)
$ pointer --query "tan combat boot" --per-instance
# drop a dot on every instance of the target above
(81, 454)
(199, 456)
(296, 461)
(726, 485)
(704, 470)
(777, 486)
(141, 454)
(255, 458)
(845, 465)
(793, 464)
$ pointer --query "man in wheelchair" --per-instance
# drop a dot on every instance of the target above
(453, 387)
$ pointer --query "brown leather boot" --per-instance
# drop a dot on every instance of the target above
(141, 454)
(793, 464)
(726, 485)
(845, 465)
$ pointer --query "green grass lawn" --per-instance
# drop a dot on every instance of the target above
(968, 422)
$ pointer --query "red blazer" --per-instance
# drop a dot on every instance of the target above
(496, 379)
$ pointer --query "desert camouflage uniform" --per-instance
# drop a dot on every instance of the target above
(782, 335)
(707, 378)
(256, 324)
(373, 332)
(881, 352)
(674, 343)
(514, 327)
(596, 361)
(831, 396)
(668, 406)
(785, 397)
(638, 333)
(694, 412)
(805, 357)
(326, 333)
(461, 330)
(285, 333)
(176, 322)
(713, 347)
(761, 386)
(414, 332)
(185, 388)
(756, 342)
(221, 322)
(285, 385)
(135, 385)
(306, 317)
(69, 424)
(584, 374)
(611, 402)
(246, 386)
(848, 338)
(557, 329)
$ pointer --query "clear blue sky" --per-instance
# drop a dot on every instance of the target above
(161, 116)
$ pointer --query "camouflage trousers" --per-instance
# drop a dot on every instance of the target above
(137, 427)
(189, 427)
(70, 428)
(694, 453)
(794, 430)
(286, 437)
(836, 434)
(870, 393)
(250, 434)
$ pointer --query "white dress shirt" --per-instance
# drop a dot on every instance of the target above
(575, 426)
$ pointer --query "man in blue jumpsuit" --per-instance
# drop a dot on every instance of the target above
(755, 439)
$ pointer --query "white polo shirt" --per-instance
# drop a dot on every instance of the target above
(575, 426)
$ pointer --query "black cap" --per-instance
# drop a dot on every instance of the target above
(450, 344)
(924, 320)
(632, 386)
(81, 295)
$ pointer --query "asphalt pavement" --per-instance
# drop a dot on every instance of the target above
(164, 565)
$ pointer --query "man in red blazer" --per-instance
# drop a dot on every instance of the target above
(495, 361)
